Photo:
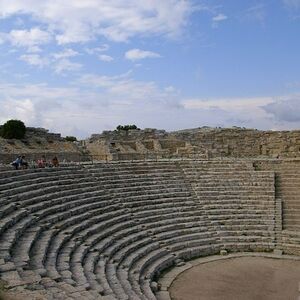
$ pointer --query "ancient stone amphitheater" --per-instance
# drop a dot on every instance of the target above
(111, 230)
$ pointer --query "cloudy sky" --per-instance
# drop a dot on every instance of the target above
(82, 66)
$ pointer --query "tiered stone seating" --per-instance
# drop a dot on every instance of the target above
(159, 204)
(239, 202)
(288, 190)
(107, 231)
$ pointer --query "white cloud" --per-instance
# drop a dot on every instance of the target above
(122, 86)
(292, 4)
(106, 101)
(63, 65)
(34, 49)
(293, 84)
(170, 89)
(18, 109)
(256, 13)
(280, 113)
(247, 112)
(117, 20)
(65, 54)
(96, 50)
(99, 52)
(285, 110)
(59, 61)
(105, 58)
(137, 54)
(34, 60)
(3, 38)
(228, 103)
(28, 38)
(41, 105)
(219, 18)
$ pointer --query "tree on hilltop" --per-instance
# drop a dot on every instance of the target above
(13, 129)
(71, 138)
(127, 127)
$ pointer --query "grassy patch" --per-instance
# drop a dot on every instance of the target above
(2, 289)
(2, 285)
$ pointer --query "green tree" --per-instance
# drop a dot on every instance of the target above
(127, 127)
(13, 129)
(71, 138)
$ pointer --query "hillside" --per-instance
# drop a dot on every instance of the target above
(200, 143)
(37, 142)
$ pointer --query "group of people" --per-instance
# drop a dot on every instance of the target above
(42, 163)
(21, 163)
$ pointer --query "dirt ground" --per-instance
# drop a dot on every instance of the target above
(246, 278)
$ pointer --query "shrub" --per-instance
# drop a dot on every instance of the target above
(127, 127)
(13, 129)
(71, 139)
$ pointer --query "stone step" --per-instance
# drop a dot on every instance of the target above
(40, 178)
(136, 184)
(110, 229)
(13, 174)
(51, 192)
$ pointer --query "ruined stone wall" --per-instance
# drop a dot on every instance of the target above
(197, 143)
(237, 142)
(132, 144)
(200, 143)
(38, 142)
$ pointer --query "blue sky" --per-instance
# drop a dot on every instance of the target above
(85, 66)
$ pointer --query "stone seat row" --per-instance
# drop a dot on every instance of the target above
(65, 206)
(102, 239)
(52, 179)
(229, 175)
(12, 175)
(290, 240)
(37, 178)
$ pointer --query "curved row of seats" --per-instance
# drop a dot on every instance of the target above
(106, 231)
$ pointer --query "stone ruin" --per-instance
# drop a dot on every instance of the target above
(111, 230)
(201, 143)
(38, 142)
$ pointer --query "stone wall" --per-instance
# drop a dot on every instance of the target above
(38, 142)
(200, 143)
(133, 144)
(238, 142)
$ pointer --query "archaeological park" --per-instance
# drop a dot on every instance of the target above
(206, 213)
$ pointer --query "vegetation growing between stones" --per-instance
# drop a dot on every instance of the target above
(2, 289)
(2, 285)
(13, 129)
